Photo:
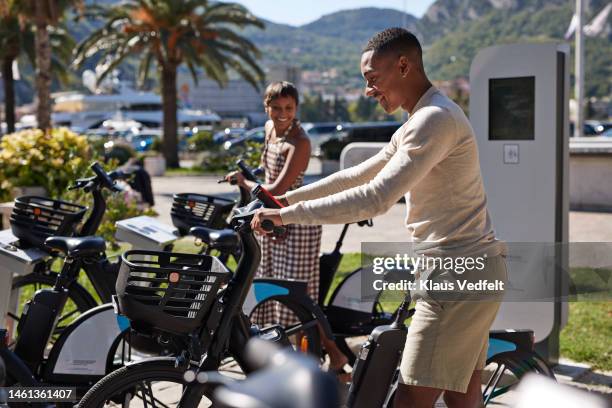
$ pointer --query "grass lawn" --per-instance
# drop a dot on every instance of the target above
(587, 337)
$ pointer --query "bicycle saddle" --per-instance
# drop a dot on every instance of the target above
(223, 240)
(77, 246)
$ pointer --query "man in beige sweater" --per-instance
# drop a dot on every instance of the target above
(432, 160)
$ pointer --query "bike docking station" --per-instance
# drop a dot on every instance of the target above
(519, 112)
(14, 260)
(146, 233)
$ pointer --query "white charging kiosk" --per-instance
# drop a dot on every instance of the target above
(519, 112)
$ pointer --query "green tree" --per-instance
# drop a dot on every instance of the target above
(43, 15)
(197, 33)
(17, 36)
(340, 110)
(10, 41)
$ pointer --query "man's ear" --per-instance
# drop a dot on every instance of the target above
(404, 66)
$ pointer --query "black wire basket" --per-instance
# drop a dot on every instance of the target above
(34, 219)
(200, 210)
(168, 291)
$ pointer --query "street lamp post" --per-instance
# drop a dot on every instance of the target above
(579, 84)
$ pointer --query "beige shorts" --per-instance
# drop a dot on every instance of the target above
(448, 339)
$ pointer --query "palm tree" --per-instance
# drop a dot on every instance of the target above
(10, 43)
(196, 33)
(17, 37)
(43, 15)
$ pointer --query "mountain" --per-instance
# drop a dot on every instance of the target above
(510, 21)
(358, 25)
(452, 32)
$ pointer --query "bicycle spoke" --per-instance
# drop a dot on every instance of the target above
(496, 378)
(75, 311)
(144, 393)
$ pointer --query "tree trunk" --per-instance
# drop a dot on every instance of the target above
(9, 94)
(43, 70)
(170, 125)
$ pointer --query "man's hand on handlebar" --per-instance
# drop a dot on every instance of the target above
(271, 214)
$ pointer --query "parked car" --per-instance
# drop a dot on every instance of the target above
(228, 134)
(358, 132)
(321, 132)
(599, 127)
(588, 129)
(256, 135)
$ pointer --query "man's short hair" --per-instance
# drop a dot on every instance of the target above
(394, 39)
(281, 89)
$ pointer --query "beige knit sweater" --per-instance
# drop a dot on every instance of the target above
(432, 160)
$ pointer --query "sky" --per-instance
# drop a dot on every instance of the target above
(305, 11)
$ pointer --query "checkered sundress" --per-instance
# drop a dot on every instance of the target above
(295, 257)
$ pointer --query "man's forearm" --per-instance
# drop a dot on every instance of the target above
(340, 181)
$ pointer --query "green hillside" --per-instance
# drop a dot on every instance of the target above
(452, 32)
(451, 55)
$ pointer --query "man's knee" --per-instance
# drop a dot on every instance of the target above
(412, 396)
(472, 398)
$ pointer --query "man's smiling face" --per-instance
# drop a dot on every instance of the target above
(383, 77)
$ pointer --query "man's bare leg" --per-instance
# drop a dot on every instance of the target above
(413, 396)
(472, 398)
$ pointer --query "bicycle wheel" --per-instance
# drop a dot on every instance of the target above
(24, 288)
(305, 330)
(154, 383)
(505, 370)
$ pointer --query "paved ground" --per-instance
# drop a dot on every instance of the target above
(583, 227)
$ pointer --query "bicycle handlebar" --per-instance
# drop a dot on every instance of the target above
(101, 178)
(246, 171)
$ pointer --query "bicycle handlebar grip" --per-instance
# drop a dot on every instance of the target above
(266, 197)
(246, 170)
(118, 175)
(104, 178)
(267, 225)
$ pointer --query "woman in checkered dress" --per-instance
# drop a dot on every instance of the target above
(295, 256)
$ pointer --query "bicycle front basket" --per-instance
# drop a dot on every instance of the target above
(168, 291)
(199, 210)
(34, 219)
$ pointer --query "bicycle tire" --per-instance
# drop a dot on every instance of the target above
(305, 319)
(516, 364)
(119, 385)
(79, 296)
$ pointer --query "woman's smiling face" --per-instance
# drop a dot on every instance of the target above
(282, 111)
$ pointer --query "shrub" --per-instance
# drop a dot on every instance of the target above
(54, 161)
(33, 158)
(219, 160)
(201, 141)
(121, 152)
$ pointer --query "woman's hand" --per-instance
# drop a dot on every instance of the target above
(272, 214)
(236, 177)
